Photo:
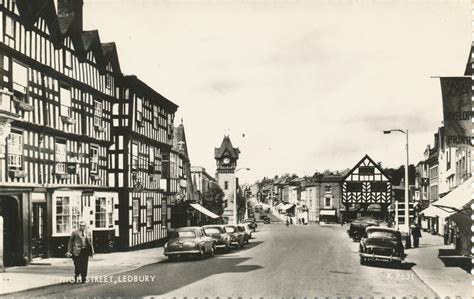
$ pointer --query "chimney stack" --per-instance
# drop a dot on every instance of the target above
(68, 7)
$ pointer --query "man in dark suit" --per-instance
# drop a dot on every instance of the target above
(80, 248)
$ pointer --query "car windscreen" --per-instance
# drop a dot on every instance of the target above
(230, 229)
(210, 231)
(183, 234)
(381, 235)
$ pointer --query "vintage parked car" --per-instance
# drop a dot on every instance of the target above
(236, 235)
(218, 233)
(252, 222)
(189, 241)
(247, 232)
(381, 244)
(358, 226)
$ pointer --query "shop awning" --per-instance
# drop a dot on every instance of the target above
(327, 212)
(279, 206)
(455, 200)
(287, 206)
(204, 210)
(433, 212)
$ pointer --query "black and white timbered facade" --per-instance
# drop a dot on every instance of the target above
(140, 162)
(57, 87)
(366, 190)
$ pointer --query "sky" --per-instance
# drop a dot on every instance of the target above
(299, 86)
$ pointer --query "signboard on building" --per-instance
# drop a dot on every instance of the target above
(457, 110)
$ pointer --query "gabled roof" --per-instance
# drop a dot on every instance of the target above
(142, 89)
(109, 51)
(179, 140)
(66, 21)
(226, 148)
(366, 157)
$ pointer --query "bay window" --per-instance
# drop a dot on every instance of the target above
(15, 150)
(67, 214)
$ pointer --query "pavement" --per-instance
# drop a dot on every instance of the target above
(318, 259)
(56, 271)
(436, 264)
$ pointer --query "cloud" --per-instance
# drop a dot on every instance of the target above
(222, 87)
(415, 122)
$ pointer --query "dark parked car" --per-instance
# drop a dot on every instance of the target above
(358, 226)
(189, 241)
(252, 222)
(237, 235)
(381, 244)
(218, 233)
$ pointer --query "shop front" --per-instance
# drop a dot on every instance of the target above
(98, 209)
(327, 215)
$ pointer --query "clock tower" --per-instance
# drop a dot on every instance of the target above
(226, 159)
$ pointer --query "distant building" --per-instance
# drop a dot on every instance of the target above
(226, 159)
(366, 190)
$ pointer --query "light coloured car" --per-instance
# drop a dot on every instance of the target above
(220, 235)
(189, 241)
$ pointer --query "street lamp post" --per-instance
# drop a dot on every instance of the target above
(234, 214)
(407, 214)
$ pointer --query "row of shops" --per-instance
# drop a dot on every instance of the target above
(451, 217)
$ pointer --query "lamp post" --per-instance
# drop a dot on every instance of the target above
(235, 195)
(407, 214)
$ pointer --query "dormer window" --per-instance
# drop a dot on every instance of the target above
(9, 27)
(65, 100)
(108, 81)
(67, 59)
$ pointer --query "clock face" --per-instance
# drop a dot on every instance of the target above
(226, 160)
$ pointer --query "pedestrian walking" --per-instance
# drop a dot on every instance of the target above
(80, 248)
(416, 233)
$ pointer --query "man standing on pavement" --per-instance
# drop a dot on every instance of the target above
(416, 233)
(80, 248)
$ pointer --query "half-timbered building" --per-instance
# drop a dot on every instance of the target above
(141, 163)
(366, 190)
(57, 86)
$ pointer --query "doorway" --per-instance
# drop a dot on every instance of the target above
(38, 244)
(9, 210)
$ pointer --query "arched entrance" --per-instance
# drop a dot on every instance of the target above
(12, 235)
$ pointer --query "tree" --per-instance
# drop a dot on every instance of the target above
(213, 199)
(241, 202)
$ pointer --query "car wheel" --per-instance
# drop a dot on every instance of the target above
(227, 248)
(213, 250)
(172, 257)
(200, 254)
(362, 261)
(242, 243)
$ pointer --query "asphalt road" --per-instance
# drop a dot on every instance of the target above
(294, 261)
